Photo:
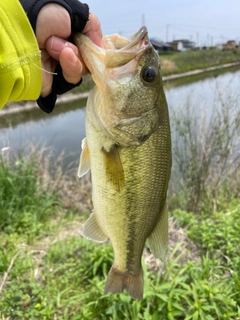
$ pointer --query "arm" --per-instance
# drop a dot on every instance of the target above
(20, 67)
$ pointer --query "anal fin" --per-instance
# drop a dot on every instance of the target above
(158, 239)
(92, 230)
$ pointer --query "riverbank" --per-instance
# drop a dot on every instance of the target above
(199, 71)
(190, 60)
(14, 108)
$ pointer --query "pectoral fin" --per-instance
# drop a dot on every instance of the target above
(84, 165)
(92, 230)
(158, 239)
(114, 169)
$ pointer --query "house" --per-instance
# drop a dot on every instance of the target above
(231, 44)
(177, 46)
(185, 44)
(160, 46)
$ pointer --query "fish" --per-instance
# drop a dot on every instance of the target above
(128, 150)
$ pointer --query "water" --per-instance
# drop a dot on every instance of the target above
(203, 92)
(64, 129)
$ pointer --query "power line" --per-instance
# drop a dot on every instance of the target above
(203, 27)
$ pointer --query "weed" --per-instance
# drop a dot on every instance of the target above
(200, 59)
(206, 158)
(26, 200)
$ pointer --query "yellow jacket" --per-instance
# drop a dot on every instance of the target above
(20, 64)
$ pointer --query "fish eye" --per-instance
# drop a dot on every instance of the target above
(148, 74)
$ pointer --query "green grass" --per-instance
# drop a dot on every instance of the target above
(60, 275)
(26, 201)
(192, 60)
(71, 281)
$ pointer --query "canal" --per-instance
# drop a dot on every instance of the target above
(63, 130)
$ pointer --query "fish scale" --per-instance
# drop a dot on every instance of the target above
(128, 149)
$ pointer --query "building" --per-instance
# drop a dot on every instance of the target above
(176, 46)
(160, 46)
(231, 44)
(185, 44)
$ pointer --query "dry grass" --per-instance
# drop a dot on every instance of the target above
(186, 249)
(168, 65)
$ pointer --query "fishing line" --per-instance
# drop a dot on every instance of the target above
(49, 72)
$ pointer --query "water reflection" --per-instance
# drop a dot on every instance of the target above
(62, 130)
(199, 77)
(205, 94)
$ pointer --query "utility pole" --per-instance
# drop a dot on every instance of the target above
(167, 27)
(143, 19)
(197, 38)
(207, 40)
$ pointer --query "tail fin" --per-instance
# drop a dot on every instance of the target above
(117, 282)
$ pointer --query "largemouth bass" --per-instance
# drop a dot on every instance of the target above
(128, 149)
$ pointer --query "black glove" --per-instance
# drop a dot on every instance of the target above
(79, 13)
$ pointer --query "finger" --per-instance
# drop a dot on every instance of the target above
(93, 30)
(55, 45)
(71, 66)
(68, 55)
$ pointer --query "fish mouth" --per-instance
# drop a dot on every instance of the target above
(120, 50)
(139, 39)
(117, 51)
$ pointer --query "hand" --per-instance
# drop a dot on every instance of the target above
(53, 28)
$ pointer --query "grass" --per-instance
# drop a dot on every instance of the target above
(48, 271)
(206, 171)
(27, 199)
(192, 60)
(67, 282)
(59, 275)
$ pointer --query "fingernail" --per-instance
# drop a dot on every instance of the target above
(57, 44)
(73, 58)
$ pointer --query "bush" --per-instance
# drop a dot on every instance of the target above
(206, 158)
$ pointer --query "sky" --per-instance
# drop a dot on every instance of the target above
(206, 22)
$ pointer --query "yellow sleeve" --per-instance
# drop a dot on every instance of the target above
(20, 64)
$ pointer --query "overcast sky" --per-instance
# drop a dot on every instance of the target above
(204, 21)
